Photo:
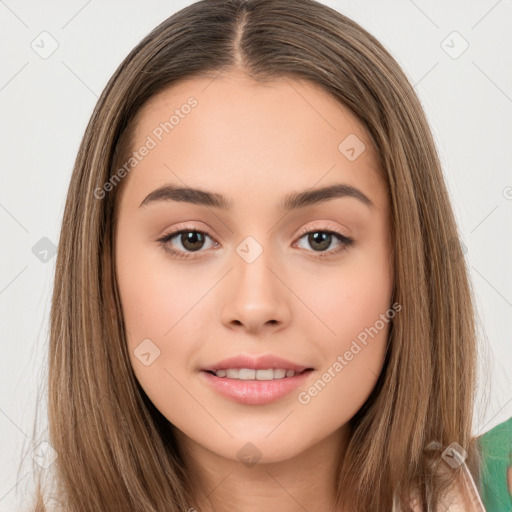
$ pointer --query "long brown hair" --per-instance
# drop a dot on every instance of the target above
(115, 449)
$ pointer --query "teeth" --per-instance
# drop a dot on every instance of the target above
(251, 374)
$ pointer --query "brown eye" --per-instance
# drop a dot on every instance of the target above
(322, 240)
(190, 240)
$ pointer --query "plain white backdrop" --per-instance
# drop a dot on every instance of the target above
(57, 57)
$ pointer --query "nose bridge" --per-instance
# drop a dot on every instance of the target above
(257, 295)
(254, 264)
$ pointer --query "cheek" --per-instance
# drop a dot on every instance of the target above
(348, 298)
(170, 305)
(150, 297)
(351, 322)
(155, 293)
(353, 355)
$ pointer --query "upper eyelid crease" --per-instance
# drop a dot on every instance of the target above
(292, 201)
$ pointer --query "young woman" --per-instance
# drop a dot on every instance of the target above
(260, 299)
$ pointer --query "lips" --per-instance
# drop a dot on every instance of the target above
(263, 362)
(254, 392)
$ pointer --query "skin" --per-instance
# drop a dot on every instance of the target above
(255, 143)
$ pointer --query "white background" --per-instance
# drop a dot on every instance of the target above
(45, 105)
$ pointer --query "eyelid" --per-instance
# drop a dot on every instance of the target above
(184, 227)
(322, 226)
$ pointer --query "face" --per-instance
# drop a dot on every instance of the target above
(244, 267)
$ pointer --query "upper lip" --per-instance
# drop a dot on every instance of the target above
(262, 362)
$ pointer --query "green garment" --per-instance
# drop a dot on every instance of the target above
(496, 478)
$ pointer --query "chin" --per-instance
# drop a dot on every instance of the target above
(258, 449)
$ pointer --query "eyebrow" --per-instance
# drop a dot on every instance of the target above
(292, 201)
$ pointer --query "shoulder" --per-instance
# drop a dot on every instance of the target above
(496, 474)
(494, 490)
(460, 496)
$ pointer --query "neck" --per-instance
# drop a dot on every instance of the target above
(306, 481)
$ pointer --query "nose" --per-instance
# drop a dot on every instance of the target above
(256, 296)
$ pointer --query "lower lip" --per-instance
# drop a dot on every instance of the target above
(255, 392)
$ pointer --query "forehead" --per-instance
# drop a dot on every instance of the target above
(227, 131)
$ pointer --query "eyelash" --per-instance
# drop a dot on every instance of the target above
(165, 239)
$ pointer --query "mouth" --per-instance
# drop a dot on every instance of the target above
(258, 375)
(252, 391)
(253, 380)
